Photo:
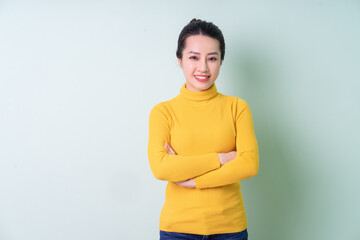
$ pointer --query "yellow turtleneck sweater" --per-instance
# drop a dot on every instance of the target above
(198, 125)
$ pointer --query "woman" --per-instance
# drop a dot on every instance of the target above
(203, 143)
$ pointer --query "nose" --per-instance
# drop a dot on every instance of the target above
(202, 66)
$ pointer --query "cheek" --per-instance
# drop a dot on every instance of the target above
(216, 68)
(188, 67)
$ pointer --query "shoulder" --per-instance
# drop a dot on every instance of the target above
(162, 106)
(162, 110)
(234, 102)
(238, 106)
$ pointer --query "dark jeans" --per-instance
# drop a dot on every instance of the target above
(187, 236)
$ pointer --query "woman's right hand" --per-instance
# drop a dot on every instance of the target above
(226, 157)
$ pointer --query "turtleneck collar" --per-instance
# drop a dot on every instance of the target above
(198, 97)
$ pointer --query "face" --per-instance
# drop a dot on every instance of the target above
(200, 62)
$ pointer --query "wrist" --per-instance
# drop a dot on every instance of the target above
(192, 183)
(220, 159)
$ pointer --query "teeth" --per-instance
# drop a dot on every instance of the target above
(201, 77)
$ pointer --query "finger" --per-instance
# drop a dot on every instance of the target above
(169, 149)
(172, 150)
(166, 146)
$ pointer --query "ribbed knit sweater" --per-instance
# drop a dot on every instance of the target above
(198, 125)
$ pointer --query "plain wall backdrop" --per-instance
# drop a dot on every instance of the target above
(79, 78)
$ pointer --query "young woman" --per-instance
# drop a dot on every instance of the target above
(202, 143)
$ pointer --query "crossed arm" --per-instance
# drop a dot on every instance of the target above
(207, 170)
(190, 183)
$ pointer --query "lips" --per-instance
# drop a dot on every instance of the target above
(202, 78)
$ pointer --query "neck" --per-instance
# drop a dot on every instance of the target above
(202, 96)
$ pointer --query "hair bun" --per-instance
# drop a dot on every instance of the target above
(195, 20)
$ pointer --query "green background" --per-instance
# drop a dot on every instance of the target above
(78, 80)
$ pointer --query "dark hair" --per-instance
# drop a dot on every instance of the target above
(200, 27)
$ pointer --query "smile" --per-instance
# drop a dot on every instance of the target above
(201, 78)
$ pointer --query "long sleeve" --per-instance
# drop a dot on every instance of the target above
(198, 125)
(245, 164)
(173, 168)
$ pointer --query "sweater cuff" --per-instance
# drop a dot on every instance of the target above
(198, 183)
(198, 180)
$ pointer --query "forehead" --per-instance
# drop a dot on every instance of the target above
(202, 44)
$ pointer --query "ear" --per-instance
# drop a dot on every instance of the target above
(179, 62)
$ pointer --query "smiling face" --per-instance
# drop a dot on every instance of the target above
(201, 61)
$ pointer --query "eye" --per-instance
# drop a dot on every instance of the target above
(193, 57)
(213, 59)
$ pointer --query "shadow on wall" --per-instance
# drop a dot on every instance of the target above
(273, 198)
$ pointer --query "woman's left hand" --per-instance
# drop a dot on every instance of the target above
(188, 183)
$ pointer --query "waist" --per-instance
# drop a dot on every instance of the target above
(208, 210)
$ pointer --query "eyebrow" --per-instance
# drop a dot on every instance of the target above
(211, 53)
